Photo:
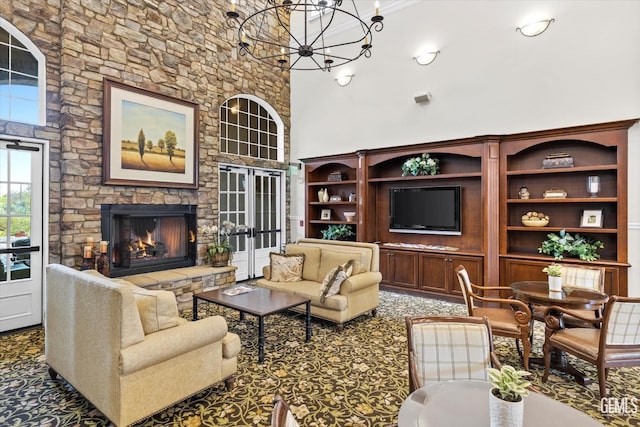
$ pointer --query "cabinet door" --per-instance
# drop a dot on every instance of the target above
(433, 272)
(399, 268)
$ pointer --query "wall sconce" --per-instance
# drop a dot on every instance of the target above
(536, 28)
(344, 79)
(426, 58)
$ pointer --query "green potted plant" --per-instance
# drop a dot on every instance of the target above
(554, 271)
(421, 165)
(338, 232)
(564, 244)
(506, 404)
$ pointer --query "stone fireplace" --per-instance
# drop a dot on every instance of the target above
(144, 238)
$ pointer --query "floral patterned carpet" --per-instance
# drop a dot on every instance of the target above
(355, 378)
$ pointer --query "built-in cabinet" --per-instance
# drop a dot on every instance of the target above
(494, 246)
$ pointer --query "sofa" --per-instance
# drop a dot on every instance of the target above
(356, 294)
(125, 349)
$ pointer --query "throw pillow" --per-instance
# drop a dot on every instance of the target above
(286, 267)
(334, 278)
(158, 309)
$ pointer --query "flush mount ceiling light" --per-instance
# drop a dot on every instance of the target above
(344, 79)
(426, 58)
(535, 28)
(310, 51)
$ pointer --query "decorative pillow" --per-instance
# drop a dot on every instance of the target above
(158, 309)
(286, 267)
(333, 280)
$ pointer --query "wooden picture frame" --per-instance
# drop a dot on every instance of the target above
(325, 214)
(592, 218)
(168, 128)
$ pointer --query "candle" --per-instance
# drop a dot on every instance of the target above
(87, 252)
(103, 246)
(281, 53)
(377, 5)
(233, 5)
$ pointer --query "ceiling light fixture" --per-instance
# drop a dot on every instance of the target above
(310, 51)
(344, 79)
(426, 58)
(535, 28)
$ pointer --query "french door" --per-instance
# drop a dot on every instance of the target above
(21, 234)
(252, 197)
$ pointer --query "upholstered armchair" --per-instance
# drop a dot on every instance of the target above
(443, 348)
(511, 318)
(615, 344)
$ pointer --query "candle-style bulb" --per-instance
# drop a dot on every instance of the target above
(233, 5)
(377, 6)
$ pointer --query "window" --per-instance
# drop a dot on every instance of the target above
(250, 127)
(22, 78)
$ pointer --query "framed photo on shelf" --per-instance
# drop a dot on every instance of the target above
(325, 214)
(149, 139)
(592, 218)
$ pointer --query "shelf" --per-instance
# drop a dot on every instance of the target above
(549, 259)
(343, 203)
(566, 200)
(325, 221)
(328, 183)
(579, 230)
(427, 177)
(574, 169)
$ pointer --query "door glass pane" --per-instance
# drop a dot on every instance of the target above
(20, 166)
(20, 199)
(4, 200)
(4, 259)
(4, 170)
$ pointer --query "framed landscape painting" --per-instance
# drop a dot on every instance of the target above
(149, 139)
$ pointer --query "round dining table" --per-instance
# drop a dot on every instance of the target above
(466, 404)
(538, 293)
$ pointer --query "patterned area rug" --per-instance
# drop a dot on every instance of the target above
(355, 378)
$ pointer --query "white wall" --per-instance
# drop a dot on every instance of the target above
(488, 79)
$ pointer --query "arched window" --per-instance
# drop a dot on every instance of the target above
(22, 78)
(251, 127)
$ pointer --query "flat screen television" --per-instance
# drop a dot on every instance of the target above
(428, 210)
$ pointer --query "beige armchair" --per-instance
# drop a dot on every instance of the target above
(125, 349)
(511, 319)
(444, 348)
(615, 344)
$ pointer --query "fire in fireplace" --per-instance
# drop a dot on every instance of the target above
(146, 238)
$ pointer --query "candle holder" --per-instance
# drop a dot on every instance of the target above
(593, 185)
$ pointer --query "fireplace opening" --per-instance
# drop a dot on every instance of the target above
(145, 238)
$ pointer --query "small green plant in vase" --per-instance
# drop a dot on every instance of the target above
(506, 403)
(554, 271)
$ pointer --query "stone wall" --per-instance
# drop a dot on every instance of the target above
(179, 48)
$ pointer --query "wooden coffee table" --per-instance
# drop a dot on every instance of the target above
(260, 302)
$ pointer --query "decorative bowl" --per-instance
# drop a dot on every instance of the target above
(535, 222)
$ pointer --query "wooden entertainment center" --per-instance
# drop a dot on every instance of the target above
(494, 245)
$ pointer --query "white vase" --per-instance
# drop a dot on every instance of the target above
(555, 284)
(505, 414)
(321, 195)
(325, 198)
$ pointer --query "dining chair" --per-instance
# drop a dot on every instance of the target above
(281, 416)
(578, 276)
(615, 344)
(444, 348)
(511, 318)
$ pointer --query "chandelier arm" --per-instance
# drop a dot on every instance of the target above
(324, 28)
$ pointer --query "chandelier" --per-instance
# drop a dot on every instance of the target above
(310, 50)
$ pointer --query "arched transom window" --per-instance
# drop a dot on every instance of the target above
(251, 127)
(22, 78)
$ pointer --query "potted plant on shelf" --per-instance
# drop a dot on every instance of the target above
(421, 165)
(554, 271)
(506, 398)
(219, 251)
(338, 232)
(564, 244)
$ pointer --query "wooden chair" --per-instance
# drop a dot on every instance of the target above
(281, 416)
(578, 276)
(615, 344)
(512, 318)
(443, 348)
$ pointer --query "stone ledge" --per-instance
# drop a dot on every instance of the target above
(186, 281)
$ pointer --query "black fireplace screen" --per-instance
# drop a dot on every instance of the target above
(146, 238)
